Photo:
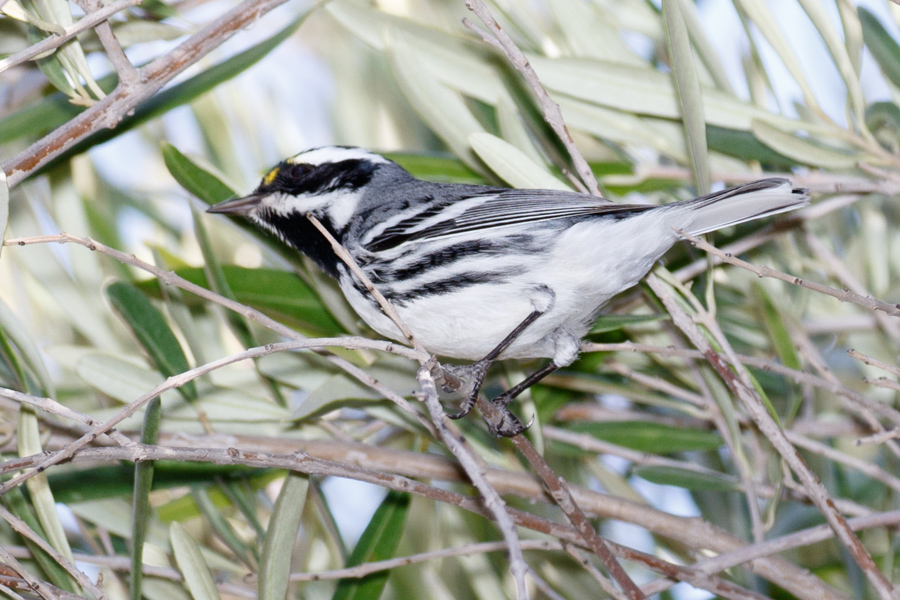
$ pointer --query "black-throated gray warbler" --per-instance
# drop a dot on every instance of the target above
(477, 272)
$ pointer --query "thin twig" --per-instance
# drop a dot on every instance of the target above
(767, 425)
(559, 491)
(172, 382)
(458, 445)
(549, 109)
(38, 586)
(25, 531)
(692, 531)
(55, 41)
(764, 271)
(126, 71)
(106, 113)
(874, 362)
(881, 437)
(251, 314)
(386, 306)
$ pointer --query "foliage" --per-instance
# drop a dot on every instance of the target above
(641, 426)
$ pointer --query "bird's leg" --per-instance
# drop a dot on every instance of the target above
(476, 372)
(509, 424)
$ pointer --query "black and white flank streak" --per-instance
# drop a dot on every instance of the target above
(465, 265)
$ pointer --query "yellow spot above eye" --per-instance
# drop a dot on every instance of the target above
(271, 175)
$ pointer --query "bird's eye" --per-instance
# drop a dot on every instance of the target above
(296, 171)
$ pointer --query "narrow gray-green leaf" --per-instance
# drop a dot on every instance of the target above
(705, 50)
(882, 46)
(605, 323)
(378, 542)
(803, 150)
(4, 207)
(687, 85)
(223, 530)
(281, 535)
(195, 179)
(14, 500)
(29, 443)
(839, 53)
(13, 329)
(685, 478)
(762, 17)
(143, 482)
(442, 108)
(651, 437)
(193, 567)
(152, 331)
(512, 165)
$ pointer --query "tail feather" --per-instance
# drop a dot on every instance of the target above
(740, 204)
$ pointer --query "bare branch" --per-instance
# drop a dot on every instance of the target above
(386, 306)
(767, 425)
(55, 41)
(106, 113)
(764, 271)
(474, 469)
(561, 494)
(549, 108)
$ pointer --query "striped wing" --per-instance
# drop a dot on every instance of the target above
(493, 209)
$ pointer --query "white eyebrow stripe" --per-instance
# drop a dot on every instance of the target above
(327, 154)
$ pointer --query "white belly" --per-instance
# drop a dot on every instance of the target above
(588, 264)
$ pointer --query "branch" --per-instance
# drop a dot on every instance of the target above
(55, 41)
(764, 271)
(692, 531)
(767, 425)
(474, 469)
(251, 314)
(561, 494)
(386, 306)
(106, 113)
(549, 109)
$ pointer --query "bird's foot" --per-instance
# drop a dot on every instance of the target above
(465, 380)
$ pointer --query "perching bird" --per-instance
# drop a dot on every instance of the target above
(478, 272)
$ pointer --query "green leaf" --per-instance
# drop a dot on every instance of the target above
(152, 331)
(378, 542)
(14, 501)
(655, 438)
(197, 576)
(281, 535)
(512, 165)
(882, 46)
(54, 110)
(745, 146)
(219, 524)
(442, 108)
(195, 179)
(24, 354)
(778, 332)
(280, 294)
(4, 207)
(606, 323)
(685, 478)
(883, 120)
(42, 500)
(143, 484)
(444, 168)
(687, 88)
(804, 150)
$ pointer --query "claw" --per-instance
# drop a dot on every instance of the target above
(509, 424)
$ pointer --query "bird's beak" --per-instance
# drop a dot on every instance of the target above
(238, 206)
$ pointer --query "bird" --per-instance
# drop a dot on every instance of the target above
(476, 272)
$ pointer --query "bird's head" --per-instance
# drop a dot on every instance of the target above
(327, 182)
